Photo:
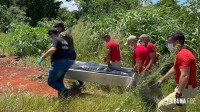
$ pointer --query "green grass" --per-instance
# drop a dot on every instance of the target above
(93, 99)
(99, 101)
(90, 47)
(29, 103)
(33, 61)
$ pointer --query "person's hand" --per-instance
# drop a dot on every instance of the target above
(104, 59)
(40, 61)
(178, 97)
(133, 70)
(160, 81)
(147, 67)
(109, 64)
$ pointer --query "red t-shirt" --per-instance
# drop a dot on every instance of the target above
(114, 50)
(185, 59)
(151, 49)
(140, 53)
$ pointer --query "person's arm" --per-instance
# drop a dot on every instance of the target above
(49, 52)
(137, 66)
(107, 56)
(168, 74)
(184, 78)
(184, 66)
(137, 54)
(152, 56)
(46, 54)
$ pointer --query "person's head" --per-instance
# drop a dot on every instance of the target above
(144, 39)
(106, 37)
(131, 41)
(52, 32)
(60, 27)
(176, 40)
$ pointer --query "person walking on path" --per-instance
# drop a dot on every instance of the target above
(151, 50)
(185, 72)
(113, 56)
(68, 37)
(140, 61)
(59, 62)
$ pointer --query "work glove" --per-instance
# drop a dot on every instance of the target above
(40, 61)
(159, 83)
(178, 97)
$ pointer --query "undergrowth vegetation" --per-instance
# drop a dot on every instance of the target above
(120, 18)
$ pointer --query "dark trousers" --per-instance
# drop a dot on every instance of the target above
(56, 76)
(72, 56)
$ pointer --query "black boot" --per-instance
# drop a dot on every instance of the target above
(64, 93)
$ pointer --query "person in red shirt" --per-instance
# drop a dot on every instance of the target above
(113, 56)
(185, 73)
(140, 61)
(151, 50)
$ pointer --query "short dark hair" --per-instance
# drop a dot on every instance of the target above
(52, 31)
(59, 25)
(178, 36)
(106, 36)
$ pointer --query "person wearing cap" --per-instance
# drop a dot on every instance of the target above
(59, 62)
(140, 60)
(185, 75)
(60, 27)
(151, 50)
(113, 56)
(68, 37)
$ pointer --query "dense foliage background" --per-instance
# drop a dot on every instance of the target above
(24, 24)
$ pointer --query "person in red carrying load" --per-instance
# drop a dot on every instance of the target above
(151, 50)
(140, 60)
(113, 56)
(185, 72)
(59, 63)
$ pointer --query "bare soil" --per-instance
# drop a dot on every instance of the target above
(15, 78)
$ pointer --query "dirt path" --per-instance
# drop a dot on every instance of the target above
(14, 78)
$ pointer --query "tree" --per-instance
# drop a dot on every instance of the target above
(168, 3)
(38, 9)
(35, 9)
(9, 15)
(8, 3)
(106, 6)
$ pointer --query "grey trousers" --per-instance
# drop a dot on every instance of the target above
(143, 90)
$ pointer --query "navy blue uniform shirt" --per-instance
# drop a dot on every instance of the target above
(62, 49)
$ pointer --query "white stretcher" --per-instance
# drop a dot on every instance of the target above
(105, 78)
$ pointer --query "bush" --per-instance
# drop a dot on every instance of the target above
(24, 40)
(156, 21)
(9, 15)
